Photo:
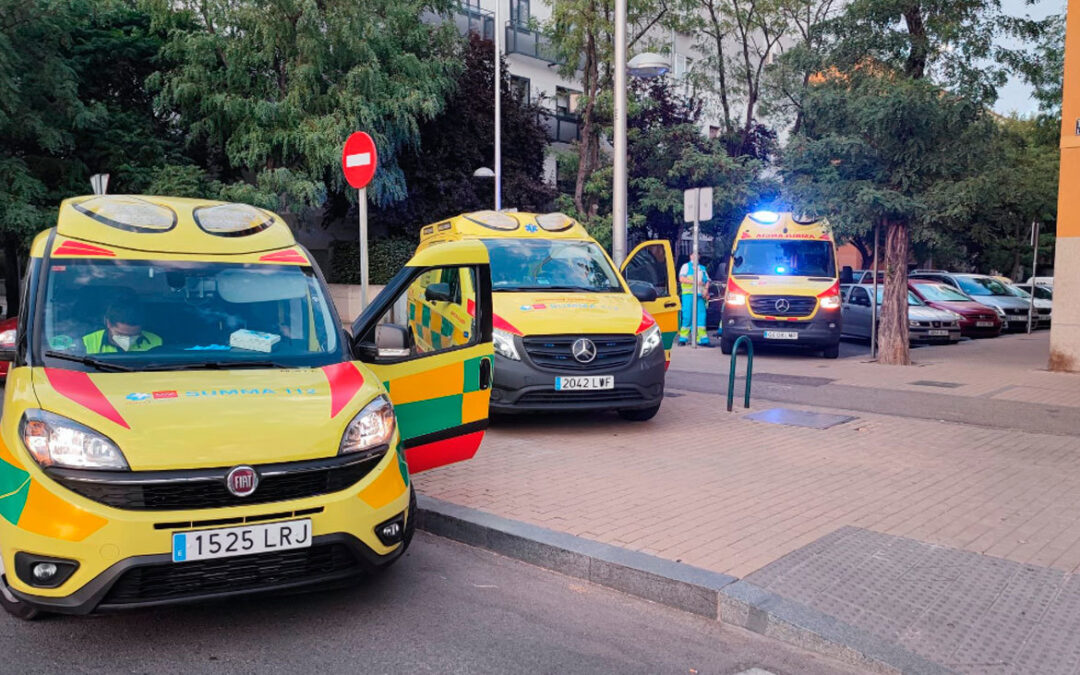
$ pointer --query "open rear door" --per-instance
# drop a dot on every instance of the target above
(428, 338)
(652, 263)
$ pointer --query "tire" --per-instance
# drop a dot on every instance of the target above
(726, 345)
(640, 414)
(15, 607)
(832, 351)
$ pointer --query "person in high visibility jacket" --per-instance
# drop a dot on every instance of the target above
(686, 286)
(123, 330)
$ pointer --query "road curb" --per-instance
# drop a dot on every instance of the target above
(684, 587)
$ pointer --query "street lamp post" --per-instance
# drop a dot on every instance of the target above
(500, 31)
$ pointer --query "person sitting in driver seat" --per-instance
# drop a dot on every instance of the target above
(123, 330)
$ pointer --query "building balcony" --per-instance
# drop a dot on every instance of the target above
(467, 19)
(528, 42)
(561, 127)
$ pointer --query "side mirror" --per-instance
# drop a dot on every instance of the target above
(438, 293)
(846, 275)
(392, 341)
(643, 291)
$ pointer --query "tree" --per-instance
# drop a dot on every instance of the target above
(897, 116)
(271, 88)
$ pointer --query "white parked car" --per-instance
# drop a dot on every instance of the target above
(925, 324)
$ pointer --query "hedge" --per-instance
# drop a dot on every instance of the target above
(385, 258)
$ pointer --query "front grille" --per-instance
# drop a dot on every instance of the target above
(205, 489)
(556, 351)
(779, 324)
(799, 305)
(617, 395)
(172, 581)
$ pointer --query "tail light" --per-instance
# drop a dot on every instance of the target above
(830, 299)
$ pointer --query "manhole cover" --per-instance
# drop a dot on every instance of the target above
(798, 418)
(935, 383)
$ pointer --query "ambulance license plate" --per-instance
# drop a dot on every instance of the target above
(226, 542)
(584, 382)
(781, 335)
(938, 333)
(984, 324)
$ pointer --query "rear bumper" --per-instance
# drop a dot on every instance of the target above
(822, 330)
(522, 386)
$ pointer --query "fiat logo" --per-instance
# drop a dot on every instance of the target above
(242, 481)
(584, 350)
(782, 306)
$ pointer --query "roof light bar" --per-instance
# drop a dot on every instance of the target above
(231, 220)
(130, 214)
(765, 217)
(495, 220)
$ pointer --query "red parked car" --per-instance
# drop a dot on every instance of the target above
(7, 341)
(976, 319)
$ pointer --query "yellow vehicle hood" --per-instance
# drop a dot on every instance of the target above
(203, 419)
(778, 285)
(554, 313)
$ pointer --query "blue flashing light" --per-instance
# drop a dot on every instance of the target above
(765, 217)
(780, 269)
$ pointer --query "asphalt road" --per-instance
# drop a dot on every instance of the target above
(444, 608)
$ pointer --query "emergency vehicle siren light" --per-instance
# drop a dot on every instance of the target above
(555, 222)
(128, 213)
(232, 220)
(765, 217)
(494, 219)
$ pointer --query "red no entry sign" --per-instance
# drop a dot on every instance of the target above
(358, 159)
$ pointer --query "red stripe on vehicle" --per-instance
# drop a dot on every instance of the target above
(80, 388)
(345, 380)
(289, 256)
(646, 321)
(502, 324)
(81, 249)
(471, 308)
(441, 453)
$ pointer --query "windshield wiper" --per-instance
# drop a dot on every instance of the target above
(542, 289)
(90, 361)
(214, 365)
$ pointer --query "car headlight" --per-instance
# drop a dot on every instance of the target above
(503, 342)
(371, 427)
(912, 323)
(7, 338)
(54, 440)
(1000, 313)
(650, 340)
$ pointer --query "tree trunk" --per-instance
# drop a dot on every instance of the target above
(893, 336)
(585, 166)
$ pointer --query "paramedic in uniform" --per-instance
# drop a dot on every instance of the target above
(686, 285)
(123, 330)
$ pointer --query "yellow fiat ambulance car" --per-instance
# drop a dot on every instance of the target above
(570, 331)
(782, 285)
(185, 417)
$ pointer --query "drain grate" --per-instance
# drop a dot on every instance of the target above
(798, 418)
(935, 383)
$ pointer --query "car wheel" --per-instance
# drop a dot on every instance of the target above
(15, 607)
(832, 351)
(640, 414)
(726, 345)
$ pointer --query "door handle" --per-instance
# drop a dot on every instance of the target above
(669, 305)
(485, 374)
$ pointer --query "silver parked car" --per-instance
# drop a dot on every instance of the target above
(1043, 306)
(925, 324)
(987, 290)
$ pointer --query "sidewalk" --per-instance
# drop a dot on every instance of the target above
(732, 495)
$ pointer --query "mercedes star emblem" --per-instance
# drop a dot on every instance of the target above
(584, 350)
(782, 306)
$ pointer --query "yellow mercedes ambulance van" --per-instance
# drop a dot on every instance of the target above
(570, 331)
(783, 287)
(185, 417)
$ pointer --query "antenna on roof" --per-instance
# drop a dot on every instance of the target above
(100, 183)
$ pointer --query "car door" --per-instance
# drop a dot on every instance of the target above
(651, 262)
(857, 313)
(427, 336)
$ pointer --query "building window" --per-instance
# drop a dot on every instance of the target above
(520, 87)
(519, 12)
(683, 64)
(567, 100)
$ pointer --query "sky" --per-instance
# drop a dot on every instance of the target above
(1016, 95)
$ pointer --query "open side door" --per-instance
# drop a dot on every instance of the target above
(651, 262)
(428, 338)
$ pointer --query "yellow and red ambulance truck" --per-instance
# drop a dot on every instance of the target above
(783, 287)
(185, 417)
(570, 331)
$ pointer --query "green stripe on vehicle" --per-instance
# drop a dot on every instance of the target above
(472, 373)
(424, 417)
(11, 505)
(425, 315)
(669, 339)
(402, 465)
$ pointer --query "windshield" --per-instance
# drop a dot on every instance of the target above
(550, 265)
(163, 315)
(941, 293)
(786, 258)
(1018, 292)
(912, 299)
(983, 286)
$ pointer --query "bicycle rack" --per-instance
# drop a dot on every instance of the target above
(749, 371)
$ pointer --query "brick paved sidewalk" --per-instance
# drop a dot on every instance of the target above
(717, 491)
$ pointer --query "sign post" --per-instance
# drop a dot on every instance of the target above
(358, 161)
(697, 206)
(1034, 263)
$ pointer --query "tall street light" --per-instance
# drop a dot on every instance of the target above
(645, 65)
(500, 31)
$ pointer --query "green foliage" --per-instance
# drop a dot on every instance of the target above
(386, 257)
(271, 88)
